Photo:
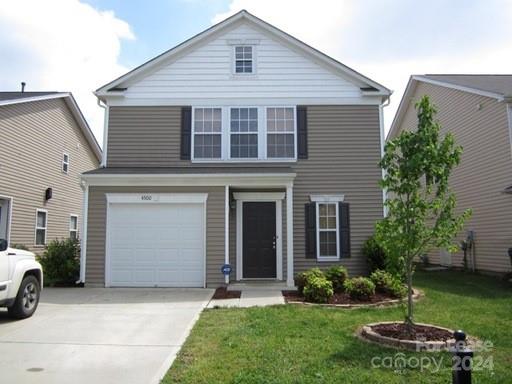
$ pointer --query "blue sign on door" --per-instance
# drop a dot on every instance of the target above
(226, 269)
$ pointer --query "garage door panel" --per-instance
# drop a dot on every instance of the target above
(156, 245)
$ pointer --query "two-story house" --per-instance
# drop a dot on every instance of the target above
(46, 145)
(477, 110)
(240, 146)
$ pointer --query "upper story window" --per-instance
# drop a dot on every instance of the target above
(280, 133)
(244, 133)
(244, 59)
(65, 163)
(207, 133)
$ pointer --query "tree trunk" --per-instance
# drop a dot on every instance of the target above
(409, 318)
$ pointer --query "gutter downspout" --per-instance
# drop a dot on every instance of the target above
(382, 144)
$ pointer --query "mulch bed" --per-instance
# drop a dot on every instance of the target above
(223, 293)
(339, 298)
(419, 332)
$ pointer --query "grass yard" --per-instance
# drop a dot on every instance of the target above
(297, 344)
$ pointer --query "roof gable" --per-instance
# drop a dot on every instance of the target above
(366, 85)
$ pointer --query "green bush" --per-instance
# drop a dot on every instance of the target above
(318, 289)
(385, 282)
(375, 255)
(61, 262)
(337, 276)
(19, 246)
(302, 278)
(359, 288)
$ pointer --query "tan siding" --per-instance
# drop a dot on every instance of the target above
(95, 269)
(34, 137)
(344, 149)
(480, 125)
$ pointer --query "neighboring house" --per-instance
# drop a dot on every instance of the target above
(477, 110)
(240, 146)
(46, 145)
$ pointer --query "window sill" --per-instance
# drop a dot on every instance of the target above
(231, 161)
(326, 259)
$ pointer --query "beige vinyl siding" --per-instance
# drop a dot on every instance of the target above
(344, 151)
(95, 267)
(480, 125)
(34, 137)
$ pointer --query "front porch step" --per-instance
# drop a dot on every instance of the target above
(259, 286)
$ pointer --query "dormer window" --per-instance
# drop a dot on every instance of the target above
(244, 59)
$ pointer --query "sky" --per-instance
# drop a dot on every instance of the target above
(79, 45)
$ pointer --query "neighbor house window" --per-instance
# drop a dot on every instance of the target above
(207, 133)
(65, 163)
(243, 59)
(41, 224)
(280, 133)
(244, 133)
(327, 230)
(73, 227)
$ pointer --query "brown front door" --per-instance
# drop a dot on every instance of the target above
(259, 240)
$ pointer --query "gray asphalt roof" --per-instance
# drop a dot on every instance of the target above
(22, 95)
(189, 169)
(500, 84)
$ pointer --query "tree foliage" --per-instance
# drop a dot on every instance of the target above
(420, 205)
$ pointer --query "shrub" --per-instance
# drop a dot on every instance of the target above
(375, 255)
(19, 246)
(301, 279)
(337, 276)
(61, 262)
(385, 282)
(318, 289)
(359, 288)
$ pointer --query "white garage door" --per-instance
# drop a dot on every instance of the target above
(156, 245)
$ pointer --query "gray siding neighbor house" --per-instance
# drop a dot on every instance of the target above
(46, 145)
(477, 110)
(240, 146)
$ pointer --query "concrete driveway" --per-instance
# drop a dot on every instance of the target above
(98, 335)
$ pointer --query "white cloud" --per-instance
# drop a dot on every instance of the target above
(388, 40)
(61, 45)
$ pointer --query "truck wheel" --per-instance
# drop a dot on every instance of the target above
(27, 299)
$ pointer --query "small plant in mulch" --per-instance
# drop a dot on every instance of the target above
(359, 288)
(337, 275)
(223, 293)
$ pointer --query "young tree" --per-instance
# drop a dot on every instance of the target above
(420, 203)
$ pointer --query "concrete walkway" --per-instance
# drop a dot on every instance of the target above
(253, 295)
(98, 335)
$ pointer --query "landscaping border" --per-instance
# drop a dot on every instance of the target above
(417, 294)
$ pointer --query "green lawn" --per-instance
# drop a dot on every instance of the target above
(297, 344)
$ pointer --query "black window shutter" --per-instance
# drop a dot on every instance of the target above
(344, 222)
(186, 133)
(302, 132)
(310, 230)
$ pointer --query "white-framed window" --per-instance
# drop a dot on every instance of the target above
(327, 231)
(244, 59)
(73, 227)
(65, 162)
(207, 133)
(41, 226)
(281, 132)
(243, 136)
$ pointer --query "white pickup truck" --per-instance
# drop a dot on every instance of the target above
(21, 281)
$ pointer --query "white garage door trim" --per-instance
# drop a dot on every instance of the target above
(152, 198)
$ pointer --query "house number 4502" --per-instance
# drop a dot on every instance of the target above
(146, 197)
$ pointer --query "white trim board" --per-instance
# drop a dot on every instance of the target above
(243, 197)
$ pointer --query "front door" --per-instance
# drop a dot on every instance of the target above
(259, 240)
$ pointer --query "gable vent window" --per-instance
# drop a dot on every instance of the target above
(244, 133)
(243, 59)
(280, 133)
(207, 133)
(65, 163)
